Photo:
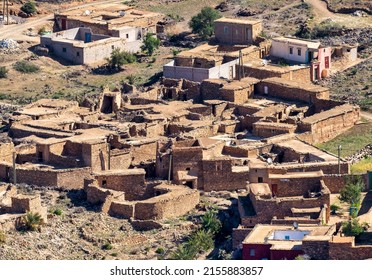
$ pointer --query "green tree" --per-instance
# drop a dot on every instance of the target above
(354, 227)
(118, 58)
(32, 221)
(29, 8)
(150, 44)
(352, 192)
(203, 23)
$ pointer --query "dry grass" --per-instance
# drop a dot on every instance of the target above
(362, 166)
(351, 141)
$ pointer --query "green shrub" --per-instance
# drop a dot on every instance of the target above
(326, 29)
(210, 222)
(26, 67)
(334, 208)
(114, 254)
(3, 72)
(57, 212)
(354, 227)
(160, 251)
(118, 58)
(107, 246)
(32, 221)
(29, 8)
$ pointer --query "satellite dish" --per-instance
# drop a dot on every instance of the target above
(121, 13)
(264, 62)
(269, 161)
(295, 225)
(87, 13)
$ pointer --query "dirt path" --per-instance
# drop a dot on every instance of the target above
(321, 13)
(15, 31)
(366, 115)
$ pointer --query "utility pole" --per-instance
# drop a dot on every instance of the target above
(170, 168)
(14, 169)
(6, 11)
(339, 159)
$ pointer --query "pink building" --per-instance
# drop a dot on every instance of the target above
(321, 64)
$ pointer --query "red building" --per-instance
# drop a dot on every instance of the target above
(279, 242)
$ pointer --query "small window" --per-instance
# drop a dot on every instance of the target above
(64, 50)
(252, 253)
(77, 53)
(287, 237)
(104, 183)
(112, 47)
(226, 30)
(218, 166)
(299, 52)
(290, 50)
(127, 36)
(260, 179)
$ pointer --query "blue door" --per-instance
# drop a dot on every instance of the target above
(88, 38)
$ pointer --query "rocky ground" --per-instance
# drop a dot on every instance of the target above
(81, 232)
(353, 85)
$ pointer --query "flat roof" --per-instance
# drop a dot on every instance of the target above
(237, 20)
(309, 43)
(294, 84)
(339, 110)
(304, 148)
(261, 232)
(121, 172)
(294, 175)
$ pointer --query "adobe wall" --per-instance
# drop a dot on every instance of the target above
(328, 128)
(264, 129)
(262, 73)
(143, 152)
(218, 176)
(122, 209)
(238, 235)
(326, 167)
(170, 205)
(6, 151)
(64, 178)
(120, 159)
(95, 156)
(70, 179)
(290, 93)
(336, 182)
(266, 209)
(187, 159)
(295, 186)
(348, 251)
(131, 184)
(316, 249)
(23, 203)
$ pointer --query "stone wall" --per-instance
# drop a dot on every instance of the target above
(131, 182)
(280, 88)
(328, 127)
(170, 205)
(344, 249)
(336, 182)
(238, 235)
(6, 151)
(316, 249)
(218, 175)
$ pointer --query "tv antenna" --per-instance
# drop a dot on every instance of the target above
(295, 225)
